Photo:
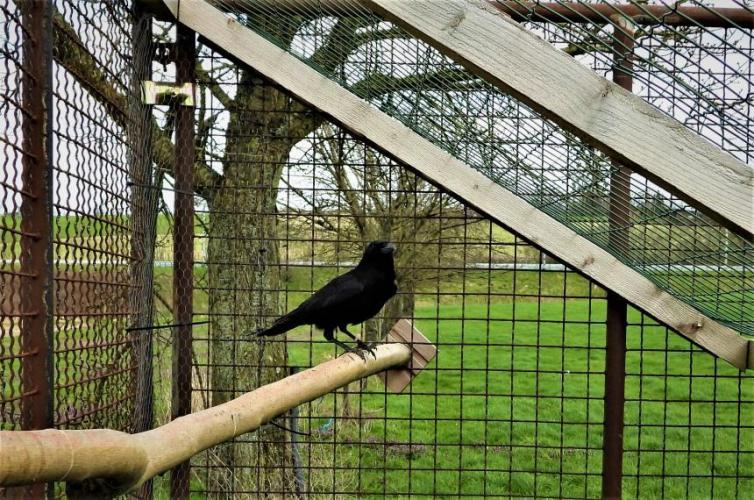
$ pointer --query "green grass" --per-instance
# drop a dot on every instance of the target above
(519, 409)
(534, 433)
(494, 415)
(495, 421)
(486, 419)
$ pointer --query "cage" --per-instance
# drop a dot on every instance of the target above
(150, 227)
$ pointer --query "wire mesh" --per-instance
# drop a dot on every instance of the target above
(282, 200)
(711, 46)
(688, 431)
(92, 248)
(81, 115)
(533, 157)
(486, 419)
(514, 403)
(24, 226)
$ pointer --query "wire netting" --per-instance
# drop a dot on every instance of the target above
(514, 403)
(91, 231)
(178, 227)
(688, 432)
(486, 419)
(531, 156)
(66, 359)
(17, 160)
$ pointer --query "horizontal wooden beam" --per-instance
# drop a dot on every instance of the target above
(639, 13)
(622, 125)
(554, 12)
(125, 461)
(469, 185)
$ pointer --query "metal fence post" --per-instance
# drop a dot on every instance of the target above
(144, 209)
(615, 355)
(36, 227)
(183, 246)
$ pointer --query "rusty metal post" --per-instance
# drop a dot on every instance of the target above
(183, 249)
(144, 209)
(36, 227)
(615, 355)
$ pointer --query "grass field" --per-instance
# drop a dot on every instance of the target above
(512, 405)
(499, 429)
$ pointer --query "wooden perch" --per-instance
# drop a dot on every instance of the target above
(113, 462)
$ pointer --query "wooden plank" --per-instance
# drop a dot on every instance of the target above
(422, 352)
(621, 124)
(442, 169)
(405, 331)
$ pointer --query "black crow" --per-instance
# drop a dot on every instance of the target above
(349, 299)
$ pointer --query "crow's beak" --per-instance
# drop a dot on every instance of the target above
(389, 248)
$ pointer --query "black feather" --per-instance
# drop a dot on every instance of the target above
(349, 299)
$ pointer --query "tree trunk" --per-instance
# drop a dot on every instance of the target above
(244, 280)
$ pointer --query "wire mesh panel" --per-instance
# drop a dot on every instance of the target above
(530, 155)
(25, 274)
(180, 225)
(92, 247)
(66, 249)
(514, 403)
(66, 359)
(689, 430)
(520, 338)
(695, 64)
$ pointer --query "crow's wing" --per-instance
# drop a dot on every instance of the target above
(334, 298)
(333, 304)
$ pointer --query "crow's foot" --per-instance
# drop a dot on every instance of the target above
(357, 351)
(366, 347)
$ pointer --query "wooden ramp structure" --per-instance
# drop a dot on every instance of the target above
(499, 50)
(624, 126)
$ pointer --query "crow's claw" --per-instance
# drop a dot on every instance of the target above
(367, 347)
(357, 351)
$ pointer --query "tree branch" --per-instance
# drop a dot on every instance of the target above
(71, 53)
(379, 84)
(205, 79)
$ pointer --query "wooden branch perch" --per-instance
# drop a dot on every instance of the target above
(114, 462)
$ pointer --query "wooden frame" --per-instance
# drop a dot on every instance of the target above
(619, 123)
(437, 166)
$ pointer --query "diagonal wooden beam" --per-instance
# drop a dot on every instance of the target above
(640, 13)
(437, 166)
(619, 123)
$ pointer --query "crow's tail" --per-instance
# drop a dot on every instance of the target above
(281, 325)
